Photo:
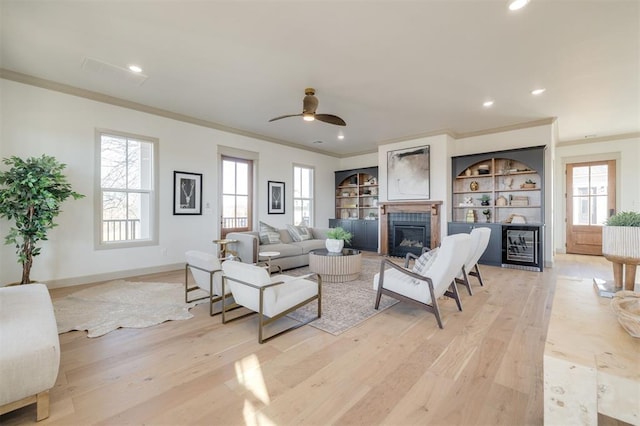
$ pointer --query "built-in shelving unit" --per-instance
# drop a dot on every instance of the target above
(504, 182)
(357, 206)
(357, 194)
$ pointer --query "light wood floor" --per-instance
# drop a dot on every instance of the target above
(398, 368)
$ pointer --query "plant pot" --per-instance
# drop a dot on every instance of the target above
(484, 203)
(621, 241)
(334, 246)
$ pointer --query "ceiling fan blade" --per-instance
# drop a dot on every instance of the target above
(331, 119)
(285, 116)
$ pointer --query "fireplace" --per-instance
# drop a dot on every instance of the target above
(407, 237)
(412, 216)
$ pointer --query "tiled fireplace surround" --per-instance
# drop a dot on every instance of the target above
(408, 207)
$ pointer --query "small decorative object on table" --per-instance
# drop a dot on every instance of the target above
(626, 304)
(336, 237)
(471, 216)
(474, 186)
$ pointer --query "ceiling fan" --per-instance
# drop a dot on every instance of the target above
(309, 105)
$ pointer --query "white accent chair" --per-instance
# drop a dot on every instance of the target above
(479, 242)
(29, 348)
(207, 273)
(270, 297)
(438, 280)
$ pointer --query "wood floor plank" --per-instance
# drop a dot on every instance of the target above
(397, 368)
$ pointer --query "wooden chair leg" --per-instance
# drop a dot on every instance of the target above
(42, 405)
(476, 273)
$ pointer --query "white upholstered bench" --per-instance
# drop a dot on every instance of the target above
(29, 348)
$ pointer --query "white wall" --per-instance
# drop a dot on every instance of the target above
(626, 152)
(37, 121)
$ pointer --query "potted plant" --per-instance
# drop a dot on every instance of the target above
(336, 239)
(31, 193)
(484, 200)
(621, 245)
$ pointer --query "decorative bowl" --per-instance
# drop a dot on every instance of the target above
(626, 304)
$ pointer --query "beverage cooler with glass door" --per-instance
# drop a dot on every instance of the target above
(521, 247)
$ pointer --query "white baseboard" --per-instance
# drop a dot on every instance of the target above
(88, 279)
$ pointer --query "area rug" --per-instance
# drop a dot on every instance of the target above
(344, 305)
(106, 307)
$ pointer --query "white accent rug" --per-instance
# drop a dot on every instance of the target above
(106, 307)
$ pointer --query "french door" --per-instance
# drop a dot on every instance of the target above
(591, 199)
(237, 183)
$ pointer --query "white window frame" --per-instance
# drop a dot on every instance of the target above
(312, 193)
(153, 194)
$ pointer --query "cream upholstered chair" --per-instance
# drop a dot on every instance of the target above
(29, 348)
(436, 281)
(479, 242)
(270, 297)
(206, 271)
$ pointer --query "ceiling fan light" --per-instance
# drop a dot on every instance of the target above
(517, 4)
(308, 117)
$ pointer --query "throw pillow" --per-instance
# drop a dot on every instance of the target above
(269, 234)
(299, 233)
(424, 262)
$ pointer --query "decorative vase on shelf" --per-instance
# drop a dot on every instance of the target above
(334, 246)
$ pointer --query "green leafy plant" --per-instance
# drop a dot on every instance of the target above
(484, 198)
(486, 212)
(339, 233)
(529, 181)
(31, 193)
(624, 219)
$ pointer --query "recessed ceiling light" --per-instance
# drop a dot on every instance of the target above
(135, 68)
(517, 4)
(340, 137)
(487, 104)
(539, 91)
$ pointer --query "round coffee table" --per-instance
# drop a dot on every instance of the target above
(336, 267)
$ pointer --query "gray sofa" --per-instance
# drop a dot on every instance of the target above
(292, 254)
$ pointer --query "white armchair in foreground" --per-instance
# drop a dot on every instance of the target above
(424, 290)
(271, 297)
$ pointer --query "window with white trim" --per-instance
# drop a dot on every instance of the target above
(303, 195)
(128, 181)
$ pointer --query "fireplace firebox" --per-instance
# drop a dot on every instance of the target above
(408, 234)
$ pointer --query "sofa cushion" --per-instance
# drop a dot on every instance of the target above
(299, 233)
(269, 234)
(308, 245)
(285, 237)
(284, 249)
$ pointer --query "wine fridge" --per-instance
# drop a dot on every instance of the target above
(521, 247)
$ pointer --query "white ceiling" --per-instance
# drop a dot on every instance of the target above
(390, 69)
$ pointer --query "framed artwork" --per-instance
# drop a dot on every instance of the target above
(276, 197)
(187, 193)
(408, 174)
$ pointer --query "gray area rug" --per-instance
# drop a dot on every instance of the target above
(344, 305)
(106, 307)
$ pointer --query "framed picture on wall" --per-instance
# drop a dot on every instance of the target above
(408, 174)
(276, 197)
(187, 193)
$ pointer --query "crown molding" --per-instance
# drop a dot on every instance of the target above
(518, 126)
(609, 138)
(100, 97)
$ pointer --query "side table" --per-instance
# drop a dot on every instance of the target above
(224, 250)
(269, 255)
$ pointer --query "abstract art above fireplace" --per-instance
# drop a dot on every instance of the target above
(408, 174)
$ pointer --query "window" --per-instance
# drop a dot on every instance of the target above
(237, 178)
(303, 195)
(127, 190)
